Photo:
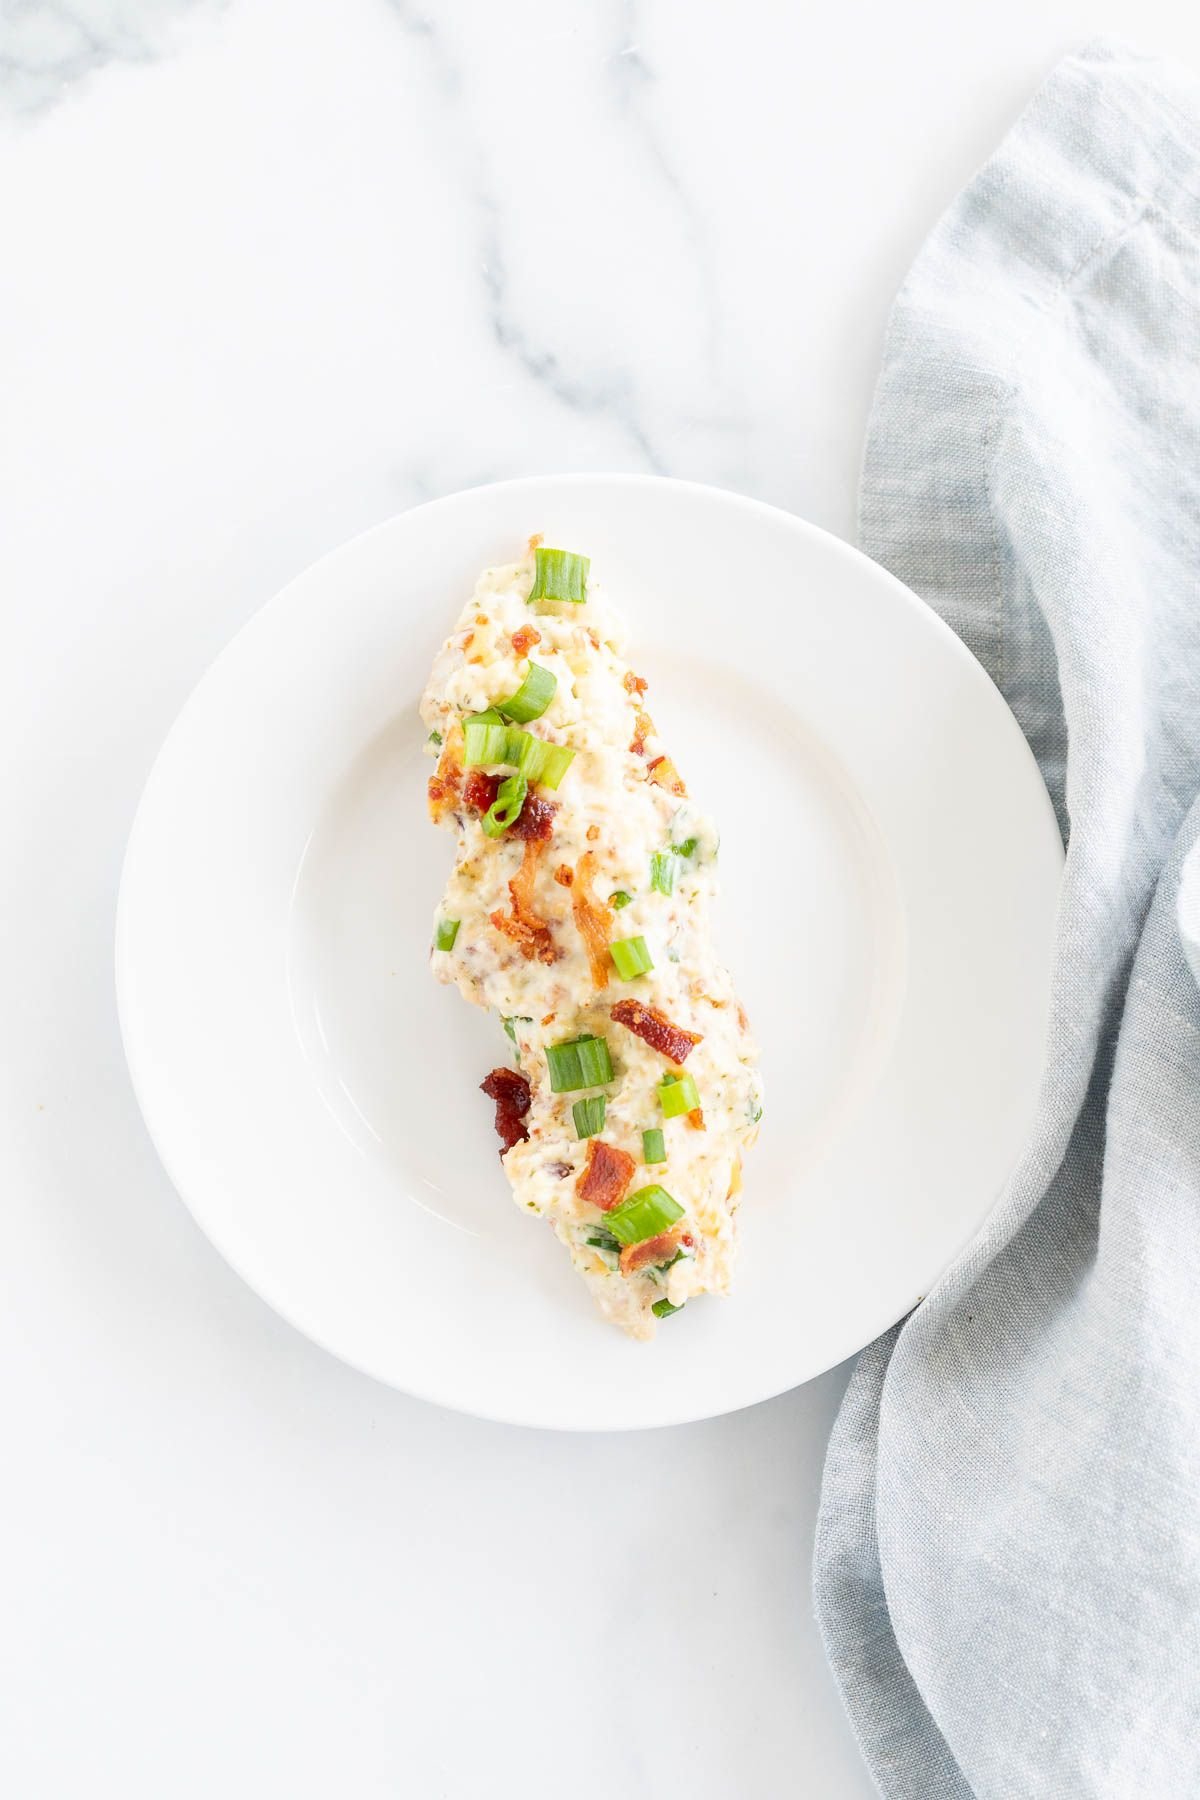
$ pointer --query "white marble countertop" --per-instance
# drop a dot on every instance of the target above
(270, 273)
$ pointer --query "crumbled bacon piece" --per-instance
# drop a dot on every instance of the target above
(524, 638)
(696, 1119)
(510, 1091)
(535, 819)
(593, 832)
(480, 790)
(591, 920)
(664, 774)
(643, 727)
(564, 875)
(634, 683)
(445, 786)
(651, 1250)
(606, 1175)
(530, 932)
(654, 1028)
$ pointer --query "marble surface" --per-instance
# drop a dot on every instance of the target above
(272, 272)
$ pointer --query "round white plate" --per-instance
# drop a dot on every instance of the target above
(890, 868)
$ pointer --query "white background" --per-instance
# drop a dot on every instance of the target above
(270, 271)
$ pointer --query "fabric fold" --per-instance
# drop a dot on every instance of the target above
(1008, 1555)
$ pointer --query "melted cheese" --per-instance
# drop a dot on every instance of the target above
(615, 803)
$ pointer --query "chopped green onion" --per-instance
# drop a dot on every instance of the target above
(584, 1062)
(620, 899)
(516, 1019)
(678, 1257)
(589, 1115)
(756, 1116)
(435, 737)
(654, 1146)
(540, 761)
(631, 957)
(490, 740)
(643, 1215)
(677, 1095)
(444, 936)
(532, 697)
(662, 872)
(662, 1309)
(687, 848)
(505, 809)
(560, 575)
(604, 1240)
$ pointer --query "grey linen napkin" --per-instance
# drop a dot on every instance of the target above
(1008, 1551)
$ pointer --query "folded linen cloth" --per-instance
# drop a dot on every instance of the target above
(1008, 1551)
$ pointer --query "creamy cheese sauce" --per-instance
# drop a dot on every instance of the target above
(610, 804)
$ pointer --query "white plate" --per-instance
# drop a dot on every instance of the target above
(890, 869)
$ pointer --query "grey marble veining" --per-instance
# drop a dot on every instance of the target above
(605, 391)
(46, 46)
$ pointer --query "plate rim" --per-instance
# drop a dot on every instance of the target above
(929, 620)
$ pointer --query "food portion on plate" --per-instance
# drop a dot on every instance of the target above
(578, 912)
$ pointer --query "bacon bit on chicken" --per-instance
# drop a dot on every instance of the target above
(696, 1119)
(468, 640)
(528, 931)
(593, 832)
(445, 784)
(510, 1091)
(591, 920)
(563, 875)
(643, 728)
(651, 1250)
(606, 1175)
(634, 683)
(524, 638)
(535, 819)
(664, 774)
(654, 1028)
(480, 790)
